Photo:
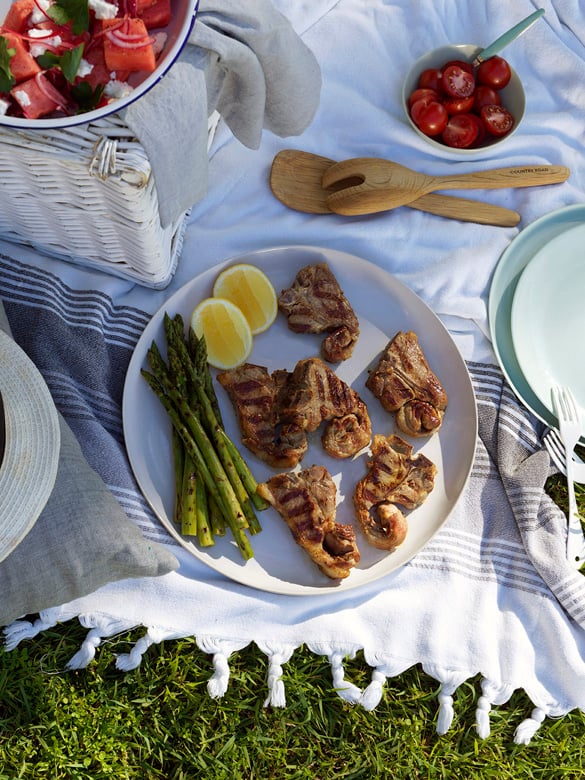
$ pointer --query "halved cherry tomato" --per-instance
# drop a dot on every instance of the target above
(486, 96)
(461, 63)
(494, 73)
(431, 119)
(431, 79)
(458, 82)
(458, 105)
(422, 94)
(461, 131)
(497, 120)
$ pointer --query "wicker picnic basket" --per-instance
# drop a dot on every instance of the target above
(87, 194)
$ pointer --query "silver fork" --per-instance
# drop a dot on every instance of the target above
(556, 449)
(570, 430)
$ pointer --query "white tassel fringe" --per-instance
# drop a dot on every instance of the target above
(528, 728)
(277, 655)
(20, 630)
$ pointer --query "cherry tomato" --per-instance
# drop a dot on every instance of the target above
(461, 131)
(422, 94)
(431, 79)
(485, 96)
(457, 82)
(431, 119)
(481, 131)
(461, 63)
(497, 120)
(458, 105)
(494, 73)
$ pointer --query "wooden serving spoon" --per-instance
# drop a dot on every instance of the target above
(295, 179)
(379, 185)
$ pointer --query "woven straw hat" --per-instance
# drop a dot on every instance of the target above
(31, 448)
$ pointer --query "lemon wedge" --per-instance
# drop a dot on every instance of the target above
(226, 331)
(251, 291)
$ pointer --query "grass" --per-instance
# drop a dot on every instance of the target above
(158, 722)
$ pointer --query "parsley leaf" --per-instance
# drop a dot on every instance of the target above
(68, 61)
(7, 80)
(76, 11)
(86, 97)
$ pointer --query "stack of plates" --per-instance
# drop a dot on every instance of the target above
(537, 312)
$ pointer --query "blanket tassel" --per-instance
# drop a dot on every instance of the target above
(100, 629)
(450, 681)
(132, 660)
(528, 728)
(277, 657)
(491, 694)
(346, 690)
(221, 651)
(372, 695)
(16, 632)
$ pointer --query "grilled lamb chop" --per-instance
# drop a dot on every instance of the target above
(306, 501)
(394, 477)
(314, 394)
(276, 411)
(315, 303)
(254, 394)
(405, 384)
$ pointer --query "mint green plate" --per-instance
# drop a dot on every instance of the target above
(501, 296)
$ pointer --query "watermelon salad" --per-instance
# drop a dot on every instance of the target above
(66, 57)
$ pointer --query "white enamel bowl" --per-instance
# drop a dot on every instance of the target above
(183, 18)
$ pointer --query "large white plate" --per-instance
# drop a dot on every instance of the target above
(548, 318)
(384, 306)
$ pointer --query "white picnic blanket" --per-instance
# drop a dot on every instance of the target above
(491, 594)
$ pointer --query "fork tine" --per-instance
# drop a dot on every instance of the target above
(571, 404)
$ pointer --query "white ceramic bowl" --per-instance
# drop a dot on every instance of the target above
(183, 18)
(513, 96)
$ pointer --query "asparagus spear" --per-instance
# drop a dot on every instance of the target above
(178, 467)
(239, 474)
(215, 482)
(189, 498)
(204, 533)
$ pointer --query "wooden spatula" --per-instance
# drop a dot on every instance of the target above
(383, 184)
(295, 179)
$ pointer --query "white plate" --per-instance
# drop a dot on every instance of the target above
(548, 318)
(384, 306)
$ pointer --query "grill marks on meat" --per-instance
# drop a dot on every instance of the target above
(394, 477)
(315, 303)
(276, 411)
(306, 500)
(315, 394)
(255, 394)
(405, 384)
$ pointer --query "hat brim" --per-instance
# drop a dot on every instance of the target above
(31, 448)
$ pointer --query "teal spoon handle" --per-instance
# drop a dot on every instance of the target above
(508, 37)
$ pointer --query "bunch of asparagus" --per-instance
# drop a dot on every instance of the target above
(214, 486)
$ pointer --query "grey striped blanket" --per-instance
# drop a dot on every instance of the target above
(490, 594)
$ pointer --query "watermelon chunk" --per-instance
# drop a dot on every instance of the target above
(158, 14)
(131, 57)
(18, 14)
(33, 101)
(100, 73)
(22, 65)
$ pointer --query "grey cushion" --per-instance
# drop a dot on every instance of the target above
(82, 540)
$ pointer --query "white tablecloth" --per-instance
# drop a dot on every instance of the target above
(473, 601)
